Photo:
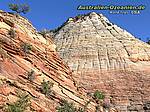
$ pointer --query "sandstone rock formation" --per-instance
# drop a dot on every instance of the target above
(17, 59)
(105, 57)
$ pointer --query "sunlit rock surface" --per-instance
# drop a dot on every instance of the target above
(103, 56)
(15, 64)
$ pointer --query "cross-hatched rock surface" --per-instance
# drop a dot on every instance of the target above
(103, 56)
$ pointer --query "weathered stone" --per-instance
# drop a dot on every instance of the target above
(103, 56)
(42, 59)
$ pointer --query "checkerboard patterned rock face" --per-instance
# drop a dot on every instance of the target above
(103, 56)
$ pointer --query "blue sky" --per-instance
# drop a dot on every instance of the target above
(50, 14)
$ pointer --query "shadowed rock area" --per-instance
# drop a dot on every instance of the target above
(105, 57)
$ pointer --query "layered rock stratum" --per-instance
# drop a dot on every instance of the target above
(17, 59)
(103, 56)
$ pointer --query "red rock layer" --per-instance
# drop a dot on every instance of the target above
(42, 59)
